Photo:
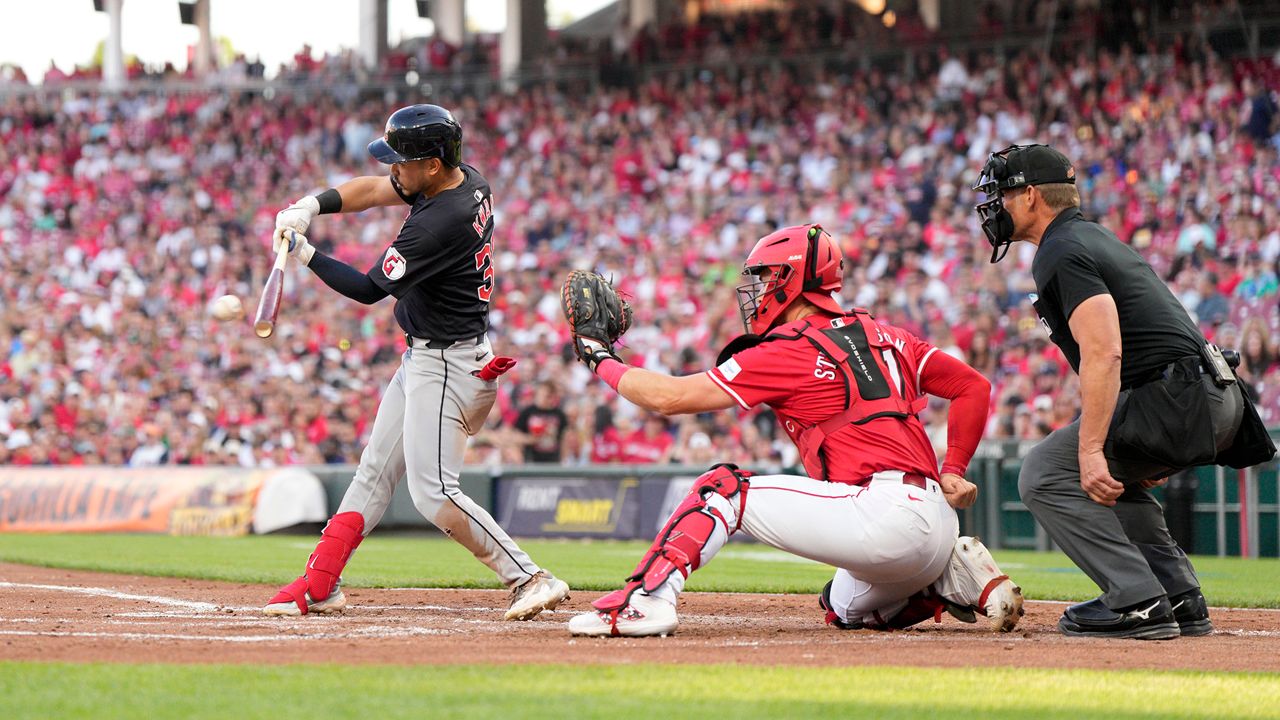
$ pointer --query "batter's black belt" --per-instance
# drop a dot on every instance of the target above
(412, 341)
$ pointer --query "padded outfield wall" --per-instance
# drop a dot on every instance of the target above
(1211, 510)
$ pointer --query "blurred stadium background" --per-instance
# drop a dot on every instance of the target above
(655, 140)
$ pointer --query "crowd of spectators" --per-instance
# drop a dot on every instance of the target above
(712, 38)
(122, 217)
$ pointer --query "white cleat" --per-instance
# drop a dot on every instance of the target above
(644, 616)
(335, 603)
(543, 591)
(973, 579)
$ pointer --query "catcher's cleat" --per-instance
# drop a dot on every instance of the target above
(541, 592)
(643, 616)
(293, 600)
(973, 580)
(963, 613)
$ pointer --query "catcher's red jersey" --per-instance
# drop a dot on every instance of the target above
(804, 387)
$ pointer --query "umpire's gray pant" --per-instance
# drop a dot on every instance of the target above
(1125, 549)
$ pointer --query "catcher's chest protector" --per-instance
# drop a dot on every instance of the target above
(876, 382)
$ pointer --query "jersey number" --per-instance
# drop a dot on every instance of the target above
(484, 260)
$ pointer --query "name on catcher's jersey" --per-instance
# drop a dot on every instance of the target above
(440, 267)
(804, 387)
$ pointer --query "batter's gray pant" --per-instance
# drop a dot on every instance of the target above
(1125, 549)
(431, 407)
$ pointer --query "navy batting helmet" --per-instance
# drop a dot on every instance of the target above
(418, 132)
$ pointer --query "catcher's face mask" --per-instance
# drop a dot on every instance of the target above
(763, 297)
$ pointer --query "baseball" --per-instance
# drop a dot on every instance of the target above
(227, 308)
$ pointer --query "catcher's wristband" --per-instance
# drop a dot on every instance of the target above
(611, 371)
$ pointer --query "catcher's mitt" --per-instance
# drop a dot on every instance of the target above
(595, 313)
(593, 307)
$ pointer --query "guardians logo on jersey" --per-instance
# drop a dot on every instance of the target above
(394, 264)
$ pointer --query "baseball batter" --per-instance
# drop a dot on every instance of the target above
(846, 389)
(440, 271)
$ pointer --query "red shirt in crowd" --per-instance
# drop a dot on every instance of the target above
(640, 448)
(606, 446)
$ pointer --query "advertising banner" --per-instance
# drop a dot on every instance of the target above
(174, 501)
(620, 508)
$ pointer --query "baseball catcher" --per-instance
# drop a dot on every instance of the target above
(846, 389)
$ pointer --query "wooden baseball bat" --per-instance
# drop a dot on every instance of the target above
(264, 323)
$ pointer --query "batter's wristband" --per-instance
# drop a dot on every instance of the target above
(330, 201)
(953, 469)
(611, 371)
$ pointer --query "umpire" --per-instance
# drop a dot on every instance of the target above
(1155, 399)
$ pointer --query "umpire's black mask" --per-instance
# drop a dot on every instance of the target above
(1014, 167)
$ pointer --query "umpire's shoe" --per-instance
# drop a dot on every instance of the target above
(1192, 613)
(1149, 620)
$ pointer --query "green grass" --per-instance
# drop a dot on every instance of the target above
(433, 561)
(475, 692)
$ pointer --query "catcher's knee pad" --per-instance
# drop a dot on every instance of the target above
(340, 537)
(679, 544)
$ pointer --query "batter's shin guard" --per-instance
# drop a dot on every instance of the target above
(340, 537)
(679, 544)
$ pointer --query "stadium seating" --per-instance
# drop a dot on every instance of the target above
(122, 217)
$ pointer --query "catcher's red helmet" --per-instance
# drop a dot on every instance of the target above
(805, 262)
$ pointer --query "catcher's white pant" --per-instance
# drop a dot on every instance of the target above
(887, 539)
(430, 408)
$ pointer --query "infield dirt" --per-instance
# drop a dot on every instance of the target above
(61, 615)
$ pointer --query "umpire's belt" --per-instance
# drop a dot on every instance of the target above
(1191, 364)
(416, 342)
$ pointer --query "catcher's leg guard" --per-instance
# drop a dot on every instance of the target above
(340, 537)
(921, 606)
(679, 544)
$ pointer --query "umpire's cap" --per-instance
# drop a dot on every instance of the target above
(1021, 165)
(418, 132)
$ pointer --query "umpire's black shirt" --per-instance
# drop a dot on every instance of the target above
(1078, 259)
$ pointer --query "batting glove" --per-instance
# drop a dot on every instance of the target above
(299, 248)
(298, 216)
